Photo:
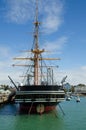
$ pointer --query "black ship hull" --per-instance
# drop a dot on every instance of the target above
(39, 99)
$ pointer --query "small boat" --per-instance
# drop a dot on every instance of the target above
(68, 98)
(78, 99)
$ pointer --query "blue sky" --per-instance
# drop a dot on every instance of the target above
(63, 31)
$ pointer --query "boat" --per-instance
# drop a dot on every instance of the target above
(78, 99)
(68, 98)
(38, 93)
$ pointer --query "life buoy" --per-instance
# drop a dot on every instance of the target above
(40, 108)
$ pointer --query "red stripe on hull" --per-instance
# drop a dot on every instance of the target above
(49, 108)
(28, 109)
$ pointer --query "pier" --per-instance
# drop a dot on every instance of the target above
(3, 99)
(82, 92)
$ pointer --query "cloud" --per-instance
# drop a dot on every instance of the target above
(6, 65)
(53, 15)
(6, 68)
(57, 45)
(14, 74)
(4, 51)
(75, 75)
(50, 12)
(19, 11)
(83, 68)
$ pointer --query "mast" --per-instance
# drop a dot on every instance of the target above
(36, 51)
(36, 47)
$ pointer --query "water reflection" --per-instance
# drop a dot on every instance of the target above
(13, 120)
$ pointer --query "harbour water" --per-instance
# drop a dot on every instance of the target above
(74, 118)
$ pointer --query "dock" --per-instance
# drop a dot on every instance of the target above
(3, 99)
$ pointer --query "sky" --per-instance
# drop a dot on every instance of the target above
(62, 32)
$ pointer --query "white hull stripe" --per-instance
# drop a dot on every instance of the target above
(38, 100)
(39, 92)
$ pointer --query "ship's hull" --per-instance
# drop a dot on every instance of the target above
(38, 99)
(29, 108)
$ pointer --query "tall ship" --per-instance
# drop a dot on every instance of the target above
(39, 93)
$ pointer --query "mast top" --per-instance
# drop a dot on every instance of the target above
(36, 15)
(36, 10)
